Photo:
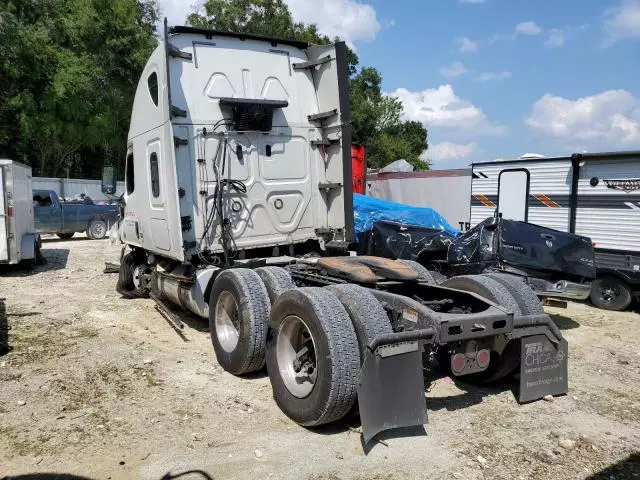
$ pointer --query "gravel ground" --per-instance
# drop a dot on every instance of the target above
(103, 387)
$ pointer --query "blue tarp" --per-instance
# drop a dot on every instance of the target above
(368, 210)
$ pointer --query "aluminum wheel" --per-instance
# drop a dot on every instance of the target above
(296, 354)
(98, 229)
(137, 273)
(227, 321)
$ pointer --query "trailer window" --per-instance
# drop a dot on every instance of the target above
(155, 175)
(129, 174)
(153, 87)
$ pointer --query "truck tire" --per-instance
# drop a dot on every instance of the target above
(486, 287)
(526, 298)
(424, 275)
(312, 356)
(610, 293)
(97, 229)
(500, 365)
(126, 285)
(367, 315)
(65, 236)
(238, 317)
(277, 280)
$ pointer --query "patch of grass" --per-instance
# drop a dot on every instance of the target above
(84, 332)
(20, 445)
(9, 376)
(615, 404)
(151, 376)
(96, 384)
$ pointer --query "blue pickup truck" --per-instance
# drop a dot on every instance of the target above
(67, 218)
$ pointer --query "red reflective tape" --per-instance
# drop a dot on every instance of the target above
(485, 201)
(546, 200)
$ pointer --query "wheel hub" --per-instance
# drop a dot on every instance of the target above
(227, 322)
(98, 230)
(295, 351)
(608, 293)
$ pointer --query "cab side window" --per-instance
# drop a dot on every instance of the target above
(152, 82)
(155, 175)
(130, 174)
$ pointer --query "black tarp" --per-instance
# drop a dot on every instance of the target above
(401, 241)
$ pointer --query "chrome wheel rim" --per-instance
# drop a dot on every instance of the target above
(98, 229)
(295, 352)
(227, 322)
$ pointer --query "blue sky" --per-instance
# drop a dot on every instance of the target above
(497, 78)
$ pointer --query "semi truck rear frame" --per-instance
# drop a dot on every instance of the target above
(238, 207)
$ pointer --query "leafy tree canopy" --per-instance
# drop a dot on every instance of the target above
(69, 71)
(377, 121)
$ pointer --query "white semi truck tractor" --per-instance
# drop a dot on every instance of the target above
(238, 208)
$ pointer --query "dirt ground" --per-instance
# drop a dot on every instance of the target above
(103, 387)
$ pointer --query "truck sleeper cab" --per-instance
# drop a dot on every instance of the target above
(238, 207)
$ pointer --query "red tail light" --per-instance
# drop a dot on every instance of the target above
(10, 211)
(458, 362)
(482, 358)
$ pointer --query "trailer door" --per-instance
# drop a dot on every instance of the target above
(513, 194)
(4, 242)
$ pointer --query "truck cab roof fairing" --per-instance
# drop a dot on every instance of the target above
(242, 36)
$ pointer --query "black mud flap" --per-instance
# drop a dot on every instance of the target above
(391, 388)
(543, 368)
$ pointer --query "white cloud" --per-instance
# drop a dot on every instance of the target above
(454, 70)
(528, 28)
(177, 11)
(351, 20)
(466, 45)
(623, 21)
(489, 76)
(441, 107)
(449, 152)
(610, 118)
(556, 38)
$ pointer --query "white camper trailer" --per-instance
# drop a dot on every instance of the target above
(596, 195)
(18, 240)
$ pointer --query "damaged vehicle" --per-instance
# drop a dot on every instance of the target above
(238, 207)
(554, 264)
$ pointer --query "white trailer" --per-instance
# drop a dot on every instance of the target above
(446, 191)
(596, 195)
(18, 239)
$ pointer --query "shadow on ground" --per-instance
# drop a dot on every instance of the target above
(188, 475)
(4, 329)
(564, 323)
(52, 240)
(55, 259)
(627, 468)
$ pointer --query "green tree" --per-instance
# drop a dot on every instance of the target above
(69, 73)
(376, 118)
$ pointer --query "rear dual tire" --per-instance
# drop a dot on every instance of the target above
(510, 292)
(239, 310)
(310, 324)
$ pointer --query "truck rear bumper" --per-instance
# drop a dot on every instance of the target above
(561, 289)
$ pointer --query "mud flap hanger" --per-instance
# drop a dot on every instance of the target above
(391, 386)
